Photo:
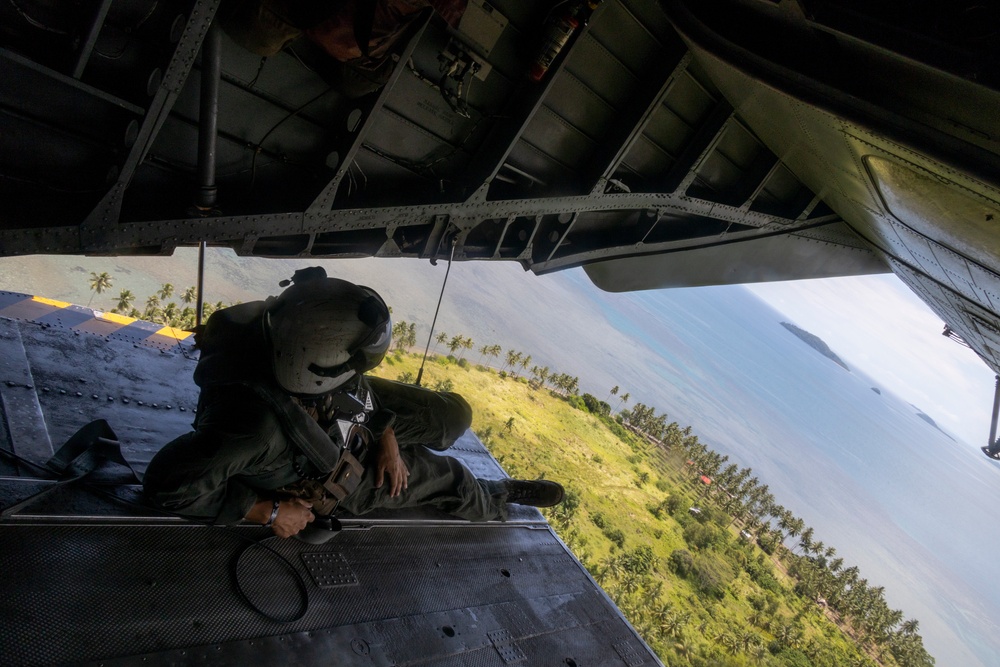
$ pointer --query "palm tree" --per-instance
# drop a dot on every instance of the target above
(467, 344)
(673, 624)
(125, 300)
(171, 314)
(805, 540)
(630, 583)
(611, 566)
(748, 638)
(683, 649)
(613, 392)
(786, 634)
(623, 400)
(455, 343)
(399, 334)
(166, 291)
(483, 351)
(513, 357)
(98, 283)
(730, 642)
(189, 295)
(187, 318)
(441, 338)
(152, 307)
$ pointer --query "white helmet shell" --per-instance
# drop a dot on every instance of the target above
(323, 332)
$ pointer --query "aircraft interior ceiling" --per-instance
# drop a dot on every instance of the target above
(667, 143)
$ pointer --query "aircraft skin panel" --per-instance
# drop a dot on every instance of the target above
(781, 257)
(915, 209)
(125, 583)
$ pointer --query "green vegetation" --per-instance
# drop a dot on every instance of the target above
(161, 310)
(701, 570)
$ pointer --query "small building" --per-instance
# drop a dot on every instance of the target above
(705, 480)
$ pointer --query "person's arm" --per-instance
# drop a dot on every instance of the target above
(389, 462)
(292, 515)
(198, 474)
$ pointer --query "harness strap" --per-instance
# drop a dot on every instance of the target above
(304, 432)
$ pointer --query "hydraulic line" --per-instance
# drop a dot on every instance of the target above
(208, 125)
(430, 337)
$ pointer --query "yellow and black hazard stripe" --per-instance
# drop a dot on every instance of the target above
(111, 326)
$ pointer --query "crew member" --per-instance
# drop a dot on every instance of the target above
(288, 428)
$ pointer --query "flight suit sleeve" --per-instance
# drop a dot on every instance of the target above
(201, 475)
(434, 419)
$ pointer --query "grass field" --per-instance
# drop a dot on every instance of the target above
(698, 592)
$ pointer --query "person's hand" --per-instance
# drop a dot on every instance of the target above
(390, 462)
(293, 516)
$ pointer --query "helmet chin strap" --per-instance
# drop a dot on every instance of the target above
(333, 371)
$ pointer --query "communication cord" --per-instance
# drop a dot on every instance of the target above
(430, 336)
(234, 567)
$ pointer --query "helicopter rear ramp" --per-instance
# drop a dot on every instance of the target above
(91, 576)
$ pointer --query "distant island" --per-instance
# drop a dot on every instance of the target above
(816, 343)
(927, 418)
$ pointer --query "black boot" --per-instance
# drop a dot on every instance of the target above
(538, 493)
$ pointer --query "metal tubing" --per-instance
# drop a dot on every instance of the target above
(996, 413)
(199, 310)
(208, 121)
(88, 45)
(208, 125)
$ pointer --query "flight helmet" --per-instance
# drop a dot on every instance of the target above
(324, 331)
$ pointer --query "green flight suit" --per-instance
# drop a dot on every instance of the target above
(241, 449)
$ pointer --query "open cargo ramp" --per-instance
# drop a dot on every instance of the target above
(90, 576)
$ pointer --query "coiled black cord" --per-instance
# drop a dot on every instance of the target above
(300, 583)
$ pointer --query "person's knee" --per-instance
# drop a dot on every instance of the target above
(458, 415)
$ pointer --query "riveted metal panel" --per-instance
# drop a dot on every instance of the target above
(28, 434)
(125, 590)
(329, 570)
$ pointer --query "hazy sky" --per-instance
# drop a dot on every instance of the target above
(877, 323)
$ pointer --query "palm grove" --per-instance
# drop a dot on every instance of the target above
(704, 572)
(158, 307)
(743, 581)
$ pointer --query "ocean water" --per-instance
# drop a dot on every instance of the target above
(912, 508)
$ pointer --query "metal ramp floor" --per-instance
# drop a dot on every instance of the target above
(91, 577)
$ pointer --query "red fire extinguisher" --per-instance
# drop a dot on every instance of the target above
(558, 30)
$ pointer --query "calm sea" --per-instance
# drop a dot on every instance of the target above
(915, 510)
